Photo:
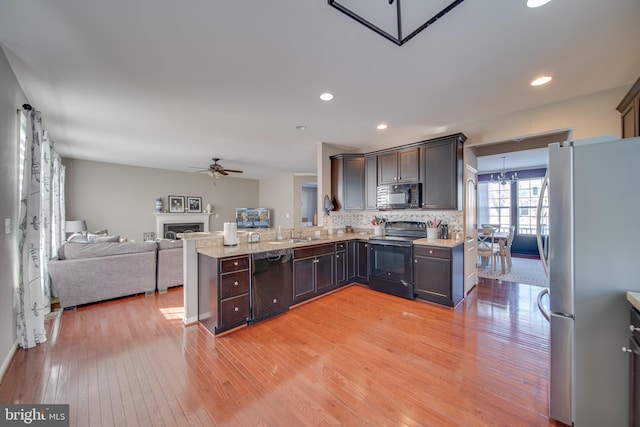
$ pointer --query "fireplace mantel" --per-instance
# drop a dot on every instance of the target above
(178, 218)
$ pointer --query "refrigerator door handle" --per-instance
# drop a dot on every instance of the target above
(541, 307)
(543, 258)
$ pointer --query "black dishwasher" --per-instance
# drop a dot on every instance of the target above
(271, 283)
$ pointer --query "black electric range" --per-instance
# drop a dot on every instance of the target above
(391, 258)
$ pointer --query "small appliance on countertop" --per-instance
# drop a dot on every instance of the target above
(230, 235)
(253, 237)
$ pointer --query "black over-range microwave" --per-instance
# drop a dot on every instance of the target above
(398, 196)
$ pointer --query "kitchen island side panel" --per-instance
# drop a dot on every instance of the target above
(208, 298)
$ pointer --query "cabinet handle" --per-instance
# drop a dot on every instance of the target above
(430, 251)
(236, 309)
(235, 263)
(235, 283)
(415, 260)
(337, 256)
(627, 350)
(633, 328)
(275, 300)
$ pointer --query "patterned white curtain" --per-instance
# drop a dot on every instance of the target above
(41, 222)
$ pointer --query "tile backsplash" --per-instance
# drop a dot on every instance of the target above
(362, 219)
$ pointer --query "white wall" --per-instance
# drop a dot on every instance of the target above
(122, 198)
(587, 116)
(277, 194)
(11, 99)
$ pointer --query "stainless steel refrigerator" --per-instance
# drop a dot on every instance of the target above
(593, 260)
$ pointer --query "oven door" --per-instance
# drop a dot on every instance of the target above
(391, 268)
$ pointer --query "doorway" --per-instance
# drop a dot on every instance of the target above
(514, 202)
(309, 209)
(506, 200)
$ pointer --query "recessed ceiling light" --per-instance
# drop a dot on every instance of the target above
(382, 126)
(537, 3)
(301, 127)
(541, 80)
(326, 96)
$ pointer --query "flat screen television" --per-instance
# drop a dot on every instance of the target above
(253, 218)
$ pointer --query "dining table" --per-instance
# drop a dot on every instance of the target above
(501, 238)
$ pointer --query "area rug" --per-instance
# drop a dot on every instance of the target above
(523, 270)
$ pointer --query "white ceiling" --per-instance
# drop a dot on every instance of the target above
(170, 84)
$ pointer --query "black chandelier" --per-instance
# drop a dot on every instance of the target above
(368, 11)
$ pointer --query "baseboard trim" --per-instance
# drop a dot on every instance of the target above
(190, 320)
(7, 360)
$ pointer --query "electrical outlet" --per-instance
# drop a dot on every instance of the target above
(7, 226)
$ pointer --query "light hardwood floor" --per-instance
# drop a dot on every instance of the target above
(352, 358)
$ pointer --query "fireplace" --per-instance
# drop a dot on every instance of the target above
(171, 230)
(181, 222)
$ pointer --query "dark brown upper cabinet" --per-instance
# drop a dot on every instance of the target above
(441, 161)
(347, 181)
(629, 109)
(399, 166)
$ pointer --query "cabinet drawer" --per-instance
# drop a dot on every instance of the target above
(234, 310)
(634, 320)
(433, 252)
(234, 264)
(313, 251)
(234, 284)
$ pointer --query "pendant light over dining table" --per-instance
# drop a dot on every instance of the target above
(502, 178)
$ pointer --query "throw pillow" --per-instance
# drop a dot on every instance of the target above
(103, 239)
(80, 237)
(102, 232)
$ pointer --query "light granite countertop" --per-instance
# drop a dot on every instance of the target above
(634, 299)
(265, 246)
(444, 243)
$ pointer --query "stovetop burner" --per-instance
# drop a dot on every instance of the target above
(402, 231)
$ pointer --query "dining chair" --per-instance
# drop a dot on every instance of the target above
(487, 247)
(507, 245)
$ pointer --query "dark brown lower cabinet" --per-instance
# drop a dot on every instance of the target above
(223, 292)
(352, 259)
(341, 264)
(634, 369)
(362, 264)
(439, 274)
(313, 271)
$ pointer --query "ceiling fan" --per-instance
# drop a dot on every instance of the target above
(216, 171)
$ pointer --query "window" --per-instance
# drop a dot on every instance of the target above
(528, 194)
(494, 204)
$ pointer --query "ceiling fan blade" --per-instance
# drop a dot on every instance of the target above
(232, 170)
(222, 172)
(202, 170)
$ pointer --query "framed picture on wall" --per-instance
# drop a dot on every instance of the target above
(194, 204)
(176, 204)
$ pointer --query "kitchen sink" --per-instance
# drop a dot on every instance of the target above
(305, 239)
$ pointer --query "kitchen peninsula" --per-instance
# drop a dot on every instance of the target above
(218, 278)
